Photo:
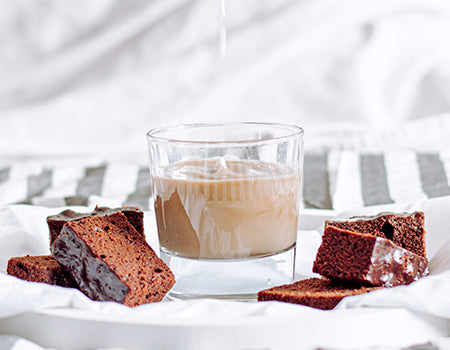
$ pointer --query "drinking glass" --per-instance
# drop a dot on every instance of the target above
(226, 199)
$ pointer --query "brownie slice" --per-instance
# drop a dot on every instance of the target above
(56, 222)
(111, 261)
(405, 230)
(366, 259)
(320, 293)
(44, 269)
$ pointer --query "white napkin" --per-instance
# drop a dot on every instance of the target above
(404, 315)
(10, 342)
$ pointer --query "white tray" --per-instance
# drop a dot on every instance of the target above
(308, 329)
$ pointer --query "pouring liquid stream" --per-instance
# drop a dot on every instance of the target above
(223, 29)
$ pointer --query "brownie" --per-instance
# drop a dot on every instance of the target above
(111, 261)
(320, 293)
(405, 230)
(56, 222)
(42, 268)
(366, 259)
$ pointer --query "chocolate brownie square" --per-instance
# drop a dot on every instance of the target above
(111, 261)
(319, 293)
(44, 269)
(405, 230)
(366, 259)
(56, 222)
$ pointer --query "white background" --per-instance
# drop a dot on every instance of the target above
(94, 76)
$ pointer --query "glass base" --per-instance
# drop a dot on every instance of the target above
(238, 279)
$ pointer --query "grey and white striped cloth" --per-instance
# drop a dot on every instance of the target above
(338, 180)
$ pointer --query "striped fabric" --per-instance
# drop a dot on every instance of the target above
(338, 180)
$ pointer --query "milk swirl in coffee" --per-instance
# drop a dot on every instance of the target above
(225, 208)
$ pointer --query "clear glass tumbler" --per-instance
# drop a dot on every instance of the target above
(226, 200)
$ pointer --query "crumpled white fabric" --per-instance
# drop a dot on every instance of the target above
(86, 77)
(407, 315)
(11, 342)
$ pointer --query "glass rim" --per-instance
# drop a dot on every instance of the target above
(296, 131)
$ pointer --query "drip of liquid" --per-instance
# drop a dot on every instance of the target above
(223, 29)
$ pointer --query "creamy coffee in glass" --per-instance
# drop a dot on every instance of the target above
(226, 209)
(226, 200)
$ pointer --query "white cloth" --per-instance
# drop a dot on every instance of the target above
(94, 77)
(399, 312)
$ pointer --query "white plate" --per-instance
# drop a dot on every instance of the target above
(303, 328)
